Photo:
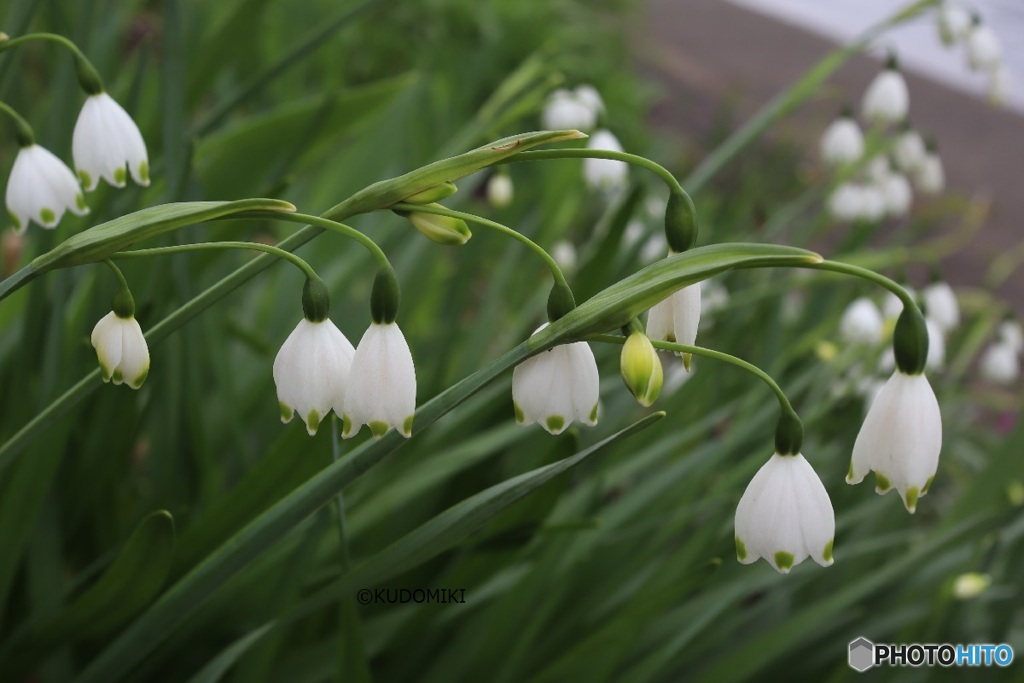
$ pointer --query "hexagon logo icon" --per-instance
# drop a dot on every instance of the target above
(862, 654)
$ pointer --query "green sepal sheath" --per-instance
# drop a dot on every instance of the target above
(385, 297)
(316, 300)
(560, 301)
(680, 222)
(124, 303)
(910, 341)
(789, 433)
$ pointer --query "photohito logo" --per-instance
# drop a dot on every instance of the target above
(864, 654)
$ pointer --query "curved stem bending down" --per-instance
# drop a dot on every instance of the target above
(208, 246)
(865, 274)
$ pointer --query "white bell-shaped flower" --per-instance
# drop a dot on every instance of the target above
(941, 306)
(873, 202)
(106, 142)
(605, 174)
(900, 439)
(382, 385)
(886, 99)
(311, 372)
(1000, 364)
(556, 387)
(41, 188)
(984, 49)
(908, 150)
(954, 22)
(785, 516)
(565, 110)
(878, 168)
(930, 177)
(898, 194)
(589, 96)
(677, 318)
(1010, 332)
(499, 190)
(846, 203)
(842, 142)
(121, 349)
(861, 322)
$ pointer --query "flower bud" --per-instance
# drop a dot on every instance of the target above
(641, 368)
(432, 194)
(441, 229)
(970, 585)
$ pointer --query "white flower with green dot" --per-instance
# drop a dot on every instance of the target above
(120, 345)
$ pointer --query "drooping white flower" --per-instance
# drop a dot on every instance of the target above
(954, 22)
(605, 174)
(565, 110)
(381, 391)
(564, 254)
(900, 439)
(589, 96)
(861, 322)
(930, 176)
(842, 142)
(908, 150)
(311, 372)
(1010, 332)
(41, 188)
(846, 203)
(886, 99)
(898, 194)
(785, 516)
(936, 345)
(941, 306)
(878, 168)
(1000, 363)
(106, 142)
(676, 318)
(556, 387)
(499, 190)
(873, 202)
(121, 349)
(984, 49)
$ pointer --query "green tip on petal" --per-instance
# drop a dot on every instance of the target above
(741, 550)
(927, 485)
(520, 416)
(144, 172)
(593, 414)
(910, 499)
(346, 425)
(312, 422)
(14, 221)
(286, 412)
(849, 473)
(881, 483)
(827, 555)
(687, 360)
(407, 426)
(120, 176)
(137, 382)
(555, 423)
(47, 215)
(80, 202)
(117, 377)
(784, 561)
(379, 428)
(85, 179)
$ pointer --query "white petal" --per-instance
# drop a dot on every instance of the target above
(660, 324)
(382, 383)
(930, 176)
(909, 151)
(107, 339)
(586, 383)
(999, 364)
(842, 142)
(1011, 333)
(311, 371)
(984, 49)
(886, 99)
(605, 174)
(107, 143)
(941, 306)
(936, 346)
(134, 365)
(861, 322)
(686, 313)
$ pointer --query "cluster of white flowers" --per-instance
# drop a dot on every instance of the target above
(1000, 362)
(106, 144)
(982, 48)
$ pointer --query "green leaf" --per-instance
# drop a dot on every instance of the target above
(219, 665)
(101, 241)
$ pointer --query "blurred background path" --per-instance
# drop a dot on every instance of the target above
(710, 53)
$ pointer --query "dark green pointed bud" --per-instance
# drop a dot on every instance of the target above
(432, 194)
(789, 434)
(385, 297)
(641, 368)
(680, 222)
(124, 303)
(910, 342)
(560, 301)
(316, 300)
(88, 78)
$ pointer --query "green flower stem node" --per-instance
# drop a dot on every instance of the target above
(789, 433)
(910, 341)
(560, 301)
(316, 300)
(88, 77)
(433, 194)
(124, 303)
(680, 221)
(385, 297)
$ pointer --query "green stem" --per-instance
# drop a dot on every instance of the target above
(208, 246)
(552, 265)
(784, 403)
(340, 228)
(88, 77)
(865, 274)
(633, 159)
(117, 272)
(22, 131)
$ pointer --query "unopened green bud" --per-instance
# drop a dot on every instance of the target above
(385, 297)
(910, 342)
(432, 194)
(316, 300)
(441, 229)
(680, 222)
(123, 304)
(641, 368)
(560, 301)
(789, 434)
